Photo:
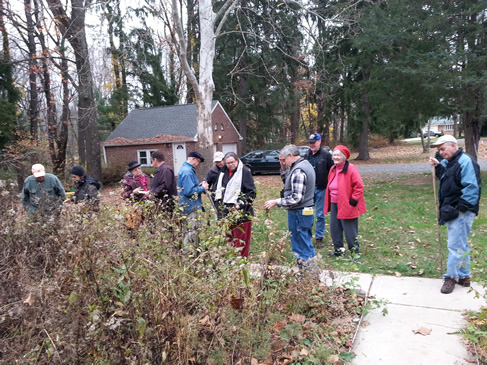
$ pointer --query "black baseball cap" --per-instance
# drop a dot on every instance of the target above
(197, 155)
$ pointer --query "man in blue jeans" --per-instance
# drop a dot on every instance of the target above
(190, 191)
(298, 200)
(322, 162)
(459, 195)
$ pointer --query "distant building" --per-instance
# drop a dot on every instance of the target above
(442, 125)
(170, 129)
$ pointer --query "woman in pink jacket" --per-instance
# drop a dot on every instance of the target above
(344, 201)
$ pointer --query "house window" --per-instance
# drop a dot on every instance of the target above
(448, 127)
(143, 157)
(216, 126)
(222, 126)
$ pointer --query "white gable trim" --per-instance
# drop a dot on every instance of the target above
(226, 115)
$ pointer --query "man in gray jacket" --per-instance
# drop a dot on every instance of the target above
(42, 193)
(298, 200)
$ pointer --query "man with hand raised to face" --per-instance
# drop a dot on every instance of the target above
(459, 196)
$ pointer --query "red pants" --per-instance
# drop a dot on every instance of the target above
(240, 237)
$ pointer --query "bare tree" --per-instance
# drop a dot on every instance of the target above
(73, 28)
(210, 24)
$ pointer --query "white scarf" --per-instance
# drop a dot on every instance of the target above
(233, 188)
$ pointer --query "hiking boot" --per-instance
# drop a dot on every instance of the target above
(335, 254)
(319, 243)
(464, 282)
(355, 257)
(448, 285)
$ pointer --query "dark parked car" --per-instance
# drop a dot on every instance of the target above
(303, 150)
(263, 161)
(432, 134)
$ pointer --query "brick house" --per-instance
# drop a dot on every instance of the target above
(442, 125)
(170, 129)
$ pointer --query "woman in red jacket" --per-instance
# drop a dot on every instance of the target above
(344, 200)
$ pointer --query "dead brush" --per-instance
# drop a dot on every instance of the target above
(89, 292)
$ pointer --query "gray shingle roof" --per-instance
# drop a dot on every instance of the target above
(441, 121)
(174, 120)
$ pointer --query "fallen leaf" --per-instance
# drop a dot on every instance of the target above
(365, 323)
(29, 300)
(398, 274)
(205, 320)
(304, 352)
(423, 331)
(278, 345)
(333, 358)
(418, 240)
(254, 361)
(421, 271)
(278, 326)
(298, 318)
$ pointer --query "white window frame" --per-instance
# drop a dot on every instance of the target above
(448, 127)
(147, 153)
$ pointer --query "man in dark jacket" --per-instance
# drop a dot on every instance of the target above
(459, 195)
(163, 185)
(321, 162)
(85, 188)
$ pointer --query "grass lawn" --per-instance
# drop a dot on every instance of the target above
(398, 234)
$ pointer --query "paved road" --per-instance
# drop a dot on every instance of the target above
(417, 167)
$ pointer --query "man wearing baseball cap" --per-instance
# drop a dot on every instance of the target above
(42, 193)
(459, 195)
(322, 163)
(190, 191)
(212, 176)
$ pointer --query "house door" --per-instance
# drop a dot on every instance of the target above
(179, 153)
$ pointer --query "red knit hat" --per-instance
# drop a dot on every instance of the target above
(344, 150)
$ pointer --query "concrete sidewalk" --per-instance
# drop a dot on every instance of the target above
(413, 303)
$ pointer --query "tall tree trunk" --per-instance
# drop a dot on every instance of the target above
(296, 111)
(243, 113)
(192, 55)
(52, 121)
(62, 136)
(472, 125)
(455, 124)
(74, 29)
(363, 148)
(33, 111)
(210, 24)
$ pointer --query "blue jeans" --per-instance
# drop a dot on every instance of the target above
(301, 228)
(458, 266)
(320, 213)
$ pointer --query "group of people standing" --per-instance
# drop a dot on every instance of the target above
(229, 186)
(315, 185)
(43, 193)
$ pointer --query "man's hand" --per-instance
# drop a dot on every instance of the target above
(204, 184)
(433, 161)
(137, 190)
(270, 204)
